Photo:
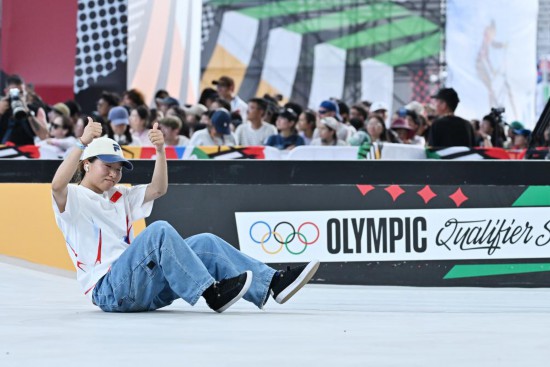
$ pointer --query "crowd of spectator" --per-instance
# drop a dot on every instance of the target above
(222, 118)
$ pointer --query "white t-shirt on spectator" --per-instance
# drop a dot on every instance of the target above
(319, 142)
(307, 140)
(182, 141)
(247, 135)
(238, 105)
(98, 228)
(203, 138)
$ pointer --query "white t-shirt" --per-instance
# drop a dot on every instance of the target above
(319, 142)
(203, 138)
(98, 228)
(247, 135)
(182, 141)
(240, 106)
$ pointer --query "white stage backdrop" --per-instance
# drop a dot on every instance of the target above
(491, 57)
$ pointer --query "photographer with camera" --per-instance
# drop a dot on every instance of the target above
(491, 131)
(449, 130)
(20, 123)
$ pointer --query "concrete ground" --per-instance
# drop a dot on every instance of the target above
(46, 321)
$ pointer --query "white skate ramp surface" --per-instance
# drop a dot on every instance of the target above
(46, 321)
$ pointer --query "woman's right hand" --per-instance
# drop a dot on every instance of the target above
(91, 131)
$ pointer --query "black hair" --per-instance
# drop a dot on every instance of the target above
(143, 113)
(135, 96)
(311, 116)
(14, 79)
(387, 135)
(357, 123)
(262, 103)
(180, 113)
(111, 98)
(343, 108)
(414, 116)
(161, 93)
(497, 136)
(223, 103)
(362, 111)
(74, 107)
(208, 94)
(67, 123)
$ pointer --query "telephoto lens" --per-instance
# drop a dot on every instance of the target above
(17, 106)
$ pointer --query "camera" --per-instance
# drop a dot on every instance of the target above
(17, 105)
(497, 112)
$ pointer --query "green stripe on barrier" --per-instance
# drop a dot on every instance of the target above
(534, 196)
(230, 2)
(484, 270)
(348, 18)
(428, 46)
(387, 32)
(290, 7)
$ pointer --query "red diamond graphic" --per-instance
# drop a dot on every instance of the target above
(395, 191)
(426, 194)
(365, 189)
(458, 197)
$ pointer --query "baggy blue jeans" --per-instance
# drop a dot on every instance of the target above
(160, 267)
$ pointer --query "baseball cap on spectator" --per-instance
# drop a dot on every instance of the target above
(516, 125)
(416, 107)
(330, 122)
(224, 81)
(196, 109)
(62, 109)
(107, 150)
(118, 116)
(220, 120)
(449, 96)
(524, 132)
(289, 114)
(400, 124)
(404, 125)
(329, 105)
(378, 106)
(169, 101)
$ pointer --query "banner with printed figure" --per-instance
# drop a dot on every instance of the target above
(491, 57)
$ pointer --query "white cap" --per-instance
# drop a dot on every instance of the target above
(197, 109)
(107, 150)
(416, 107)
(378, 105)
(330, 122)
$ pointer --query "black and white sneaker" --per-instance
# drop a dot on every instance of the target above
(221, 295)
(286, 283)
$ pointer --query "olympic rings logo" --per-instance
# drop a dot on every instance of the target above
(284, 233)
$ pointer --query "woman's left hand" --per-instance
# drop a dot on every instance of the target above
(156, 137)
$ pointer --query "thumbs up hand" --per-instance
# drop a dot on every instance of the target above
(156, 137)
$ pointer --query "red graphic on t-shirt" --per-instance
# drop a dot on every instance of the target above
(72, 249)
(98, 258)
(89, 289)
(115, 196)
(78, 263)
